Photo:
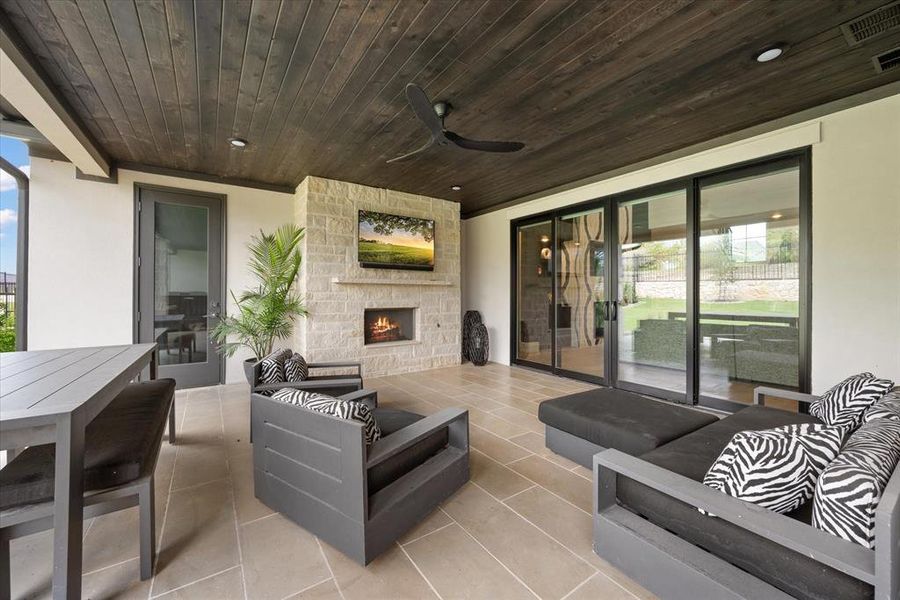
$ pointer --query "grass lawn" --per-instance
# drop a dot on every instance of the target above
(374, 252)
(659, 308)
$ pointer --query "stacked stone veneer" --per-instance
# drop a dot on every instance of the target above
(334, 329)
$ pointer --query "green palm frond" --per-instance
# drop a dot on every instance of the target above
(268, 311)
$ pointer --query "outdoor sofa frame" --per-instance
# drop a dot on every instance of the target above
(674, 568)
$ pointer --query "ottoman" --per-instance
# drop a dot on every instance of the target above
(583, 424)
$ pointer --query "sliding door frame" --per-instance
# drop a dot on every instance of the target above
(800, 158)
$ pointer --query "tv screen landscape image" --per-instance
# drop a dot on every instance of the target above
(395, 242)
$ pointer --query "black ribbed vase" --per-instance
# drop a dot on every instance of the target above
(479, 345)
(470, 320)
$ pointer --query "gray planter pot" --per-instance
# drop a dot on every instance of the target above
(248, 369)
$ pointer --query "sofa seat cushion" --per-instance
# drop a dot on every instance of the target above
(622, 420)
(121, 443)
(691, 456)
(391, 421)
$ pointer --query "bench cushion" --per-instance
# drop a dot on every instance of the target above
(121, 443)
(391, 421)
(691, 456)
(622, 420)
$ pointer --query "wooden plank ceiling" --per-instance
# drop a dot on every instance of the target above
(316, 86)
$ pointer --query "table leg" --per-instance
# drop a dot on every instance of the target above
(68, 507)
(154, 360)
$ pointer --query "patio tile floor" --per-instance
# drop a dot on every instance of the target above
(521, 528)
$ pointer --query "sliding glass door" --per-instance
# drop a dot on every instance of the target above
(651, 295)
(581, 293)
(695, 290)
(750, 283)
(534, 293)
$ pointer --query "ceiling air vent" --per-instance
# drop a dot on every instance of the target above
(872, 24)
(887, 60)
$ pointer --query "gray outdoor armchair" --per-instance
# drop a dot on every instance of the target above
(316, 470)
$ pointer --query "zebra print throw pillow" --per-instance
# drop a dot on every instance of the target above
(298, 397)
(849, 490)
(844, 404)
(352, 411)
(886, 408)
(272, 369)
(775, 468)
(295, 368)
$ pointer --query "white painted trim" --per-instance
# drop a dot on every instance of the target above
(46, 114)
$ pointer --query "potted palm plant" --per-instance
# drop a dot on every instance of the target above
(267, 312)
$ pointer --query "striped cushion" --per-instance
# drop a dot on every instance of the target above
(845, 403)
(272, 369)
(849, 490)
(886, 408)
(295, 368)
(298, 397)
(352, 411)
(775, 468)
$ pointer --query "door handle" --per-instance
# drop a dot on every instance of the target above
(606, 310)
(615, 310)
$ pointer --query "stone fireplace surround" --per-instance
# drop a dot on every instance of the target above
(337, 290)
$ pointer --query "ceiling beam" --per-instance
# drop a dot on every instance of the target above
(26, 87)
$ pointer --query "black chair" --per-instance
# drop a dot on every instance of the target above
(121, 447)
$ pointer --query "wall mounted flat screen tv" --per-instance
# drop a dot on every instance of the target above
(395, 242)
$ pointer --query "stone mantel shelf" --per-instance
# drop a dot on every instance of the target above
(374, 281)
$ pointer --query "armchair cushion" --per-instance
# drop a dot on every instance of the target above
(390, 421)
(295, 368)
(845, 403)
(351, 411)
(271, 369)
(850, 488)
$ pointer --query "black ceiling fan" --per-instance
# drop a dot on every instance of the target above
(432, 115)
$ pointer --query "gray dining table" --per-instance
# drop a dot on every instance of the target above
(49, 397)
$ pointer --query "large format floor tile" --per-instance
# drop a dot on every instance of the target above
(520, 529)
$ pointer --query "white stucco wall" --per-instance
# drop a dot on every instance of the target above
(81, 252)
(855, 224)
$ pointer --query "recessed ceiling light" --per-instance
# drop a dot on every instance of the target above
(238, 142)
(545, 238)
(777, 215)
(769, 54)
(455, 188)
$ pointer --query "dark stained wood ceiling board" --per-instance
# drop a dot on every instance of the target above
(316, 86)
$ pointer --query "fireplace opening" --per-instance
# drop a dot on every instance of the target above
(382, 325)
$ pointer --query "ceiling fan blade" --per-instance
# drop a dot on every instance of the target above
(483, 146)
(403, 157)
(423, 108)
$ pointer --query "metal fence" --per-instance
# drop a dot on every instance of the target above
(647, 268)
(7, 292)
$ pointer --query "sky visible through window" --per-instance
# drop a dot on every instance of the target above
(15, 152)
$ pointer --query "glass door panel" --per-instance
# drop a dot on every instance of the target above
(652, 292)
(180, 283)
(580, 292)
(750, 284)
(534, 293)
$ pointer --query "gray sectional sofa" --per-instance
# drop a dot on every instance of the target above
(647, 524)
